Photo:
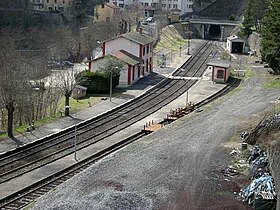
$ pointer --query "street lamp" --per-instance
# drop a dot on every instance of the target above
(189, 36)
(187, 96)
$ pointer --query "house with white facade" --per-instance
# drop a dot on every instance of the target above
(185, 6)
(134, 49)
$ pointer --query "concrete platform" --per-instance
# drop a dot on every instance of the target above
(201, 90)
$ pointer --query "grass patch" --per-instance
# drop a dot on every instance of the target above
(77, 105)
(170, 39)
(250, 73)
(273, 83)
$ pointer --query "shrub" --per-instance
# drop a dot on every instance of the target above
(97, 82)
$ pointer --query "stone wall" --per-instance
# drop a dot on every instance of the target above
(274, 160)
(254, 42)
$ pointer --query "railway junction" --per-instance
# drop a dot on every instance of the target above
(110, 187)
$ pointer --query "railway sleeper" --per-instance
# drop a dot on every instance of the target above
(27, 199)
(38, 194)
(10, 207)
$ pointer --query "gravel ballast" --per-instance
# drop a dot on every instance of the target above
(178, 167)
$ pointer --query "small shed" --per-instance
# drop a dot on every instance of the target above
(79, 92)
(220, 71)
(235, 44)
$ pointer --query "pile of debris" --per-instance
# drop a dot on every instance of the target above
(261, 192)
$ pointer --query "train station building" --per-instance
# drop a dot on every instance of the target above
(134, 49)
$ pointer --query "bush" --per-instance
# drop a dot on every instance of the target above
(97, 82)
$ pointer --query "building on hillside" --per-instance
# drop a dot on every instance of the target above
(149, 6)
(106, 12)
(51, 5)
(174, 16)
(134, 49)
(220, 71)
(235, 44)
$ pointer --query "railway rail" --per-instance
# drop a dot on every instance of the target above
(30, 193)
(33, 156)
(37, 154)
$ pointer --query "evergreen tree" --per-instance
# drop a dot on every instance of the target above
(248, 18)
(253, 15)
(259, 8)
(271, 36)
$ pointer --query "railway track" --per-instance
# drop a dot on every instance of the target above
(25, 159)
(22, 198)
(30, 193)
(38, 154)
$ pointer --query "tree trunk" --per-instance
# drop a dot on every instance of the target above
(10, 107)
(67, 107)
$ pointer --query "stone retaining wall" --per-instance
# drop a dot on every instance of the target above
(274, 160)
(254, 42)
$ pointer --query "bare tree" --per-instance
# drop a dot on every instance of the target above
(66, 82)
(14, 80)
(67, 42)
(94, 33)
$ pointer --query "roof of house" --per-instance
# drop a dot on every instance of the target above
(138, 37)
(110, 4)
(126, 57)
(235, 38)
(224, 64)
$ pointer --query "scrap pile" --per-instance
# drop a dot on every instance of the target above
(261, 192)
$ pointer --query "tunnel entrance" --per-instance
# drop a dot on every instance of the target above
(214, 32)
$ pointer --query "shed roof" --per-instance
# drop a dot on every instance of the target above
(235, 38)
(224, 64)
(126, 57)
(110, 4)
(138, 37)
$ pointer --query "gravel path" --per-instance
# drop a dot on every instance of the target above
(178, 167)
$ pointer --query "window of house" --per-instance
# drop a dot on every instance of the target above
(220, 74)
(50, 8)
(63, 2)
(47, 1)
(102, 6)
(143, 50)
(55, 1)
(148, 49)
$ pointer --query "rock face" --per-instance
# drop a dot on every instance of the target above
(223, 9)
(254, 42)
(274, 159)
